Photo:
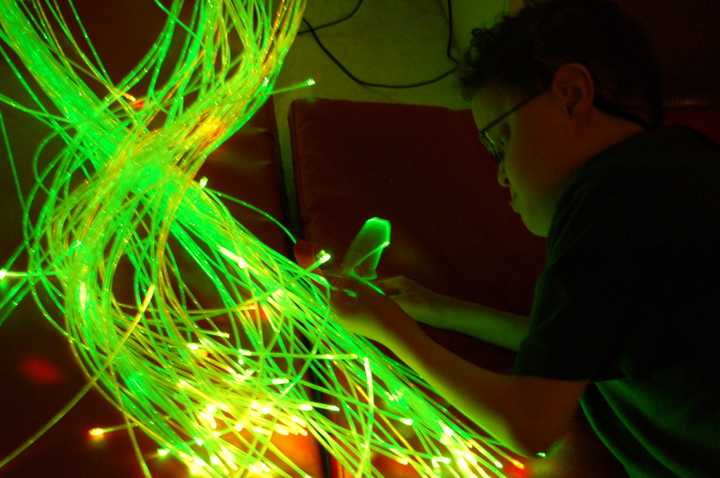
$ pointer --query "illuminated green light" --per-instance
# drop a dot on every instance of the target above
(181, 316)
(323, 257)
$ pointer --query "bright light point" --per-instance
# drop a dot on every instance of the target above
(259, 468)
(541, 454)
(203, 181)
(239, 426)
(517, 464)
(83, 295)
(199, 441)
(163, 452)
(310, 82)
(280, 381)
(231, 255)
(207, 417)
(194, 347)
(197, 465)
(306, 407)
(3, 274)
(407, 421)
(244, 352)
(440, 459)
(323, 257)
(266, 410)
(215, 460)
(96, 433)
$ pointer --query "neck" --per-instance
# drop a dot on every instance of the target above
(611, 132)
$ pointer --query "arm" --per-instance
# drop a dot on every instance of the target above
(501, 328)
(498, 327)
(526, 414)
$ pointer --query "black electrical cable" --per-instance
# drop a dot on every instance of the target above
(313, 31)
(349, 15)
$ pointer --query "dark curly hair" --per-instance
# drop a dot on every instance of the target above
(522, 53)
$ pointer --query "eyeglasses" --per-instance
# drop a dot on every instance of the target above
(496, 150)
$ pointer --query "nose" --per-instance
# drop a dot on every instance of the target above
(502, 176)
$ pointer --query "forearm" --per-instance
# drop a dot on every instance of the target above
(487, 398)
(491, 325)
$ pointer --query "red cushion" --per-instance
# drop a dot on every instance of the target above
(423, 169)
(704, 119)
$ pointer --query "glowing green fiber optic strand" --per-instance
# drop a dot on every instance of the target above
(205, 339)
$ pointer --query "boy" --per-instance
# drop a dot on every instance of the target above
(566, 97)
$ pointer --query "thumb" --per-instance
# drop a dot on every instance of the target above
(392, 285)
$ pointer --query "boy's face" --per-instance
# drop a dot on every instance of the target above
(537, 152)
(547, 139)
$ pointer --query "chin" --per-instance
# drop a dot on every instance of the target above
(535, 227)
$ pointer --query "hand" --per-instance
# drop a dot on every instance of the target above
(418, 302)
(359, 308)
(363, 311)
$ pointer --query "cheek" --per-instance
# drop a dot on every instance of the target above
(519, 160)
(529, 154)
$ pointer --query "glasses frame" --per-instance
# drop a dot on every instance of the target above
(490, 145)
(600, 102)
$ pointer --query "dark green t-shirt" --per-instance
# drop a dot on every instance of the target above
(630, 298)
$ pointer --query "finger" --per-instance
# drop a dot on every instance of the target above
(392, 285)
(341, 300)
(340, 282)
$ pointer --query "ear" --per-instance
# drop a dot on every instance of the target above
(574, 87)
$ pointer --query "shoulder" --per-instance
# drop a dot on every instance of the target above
(634, 190)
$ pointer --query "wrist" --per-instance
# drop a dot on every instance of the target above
(450, 311)
(406, 340)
